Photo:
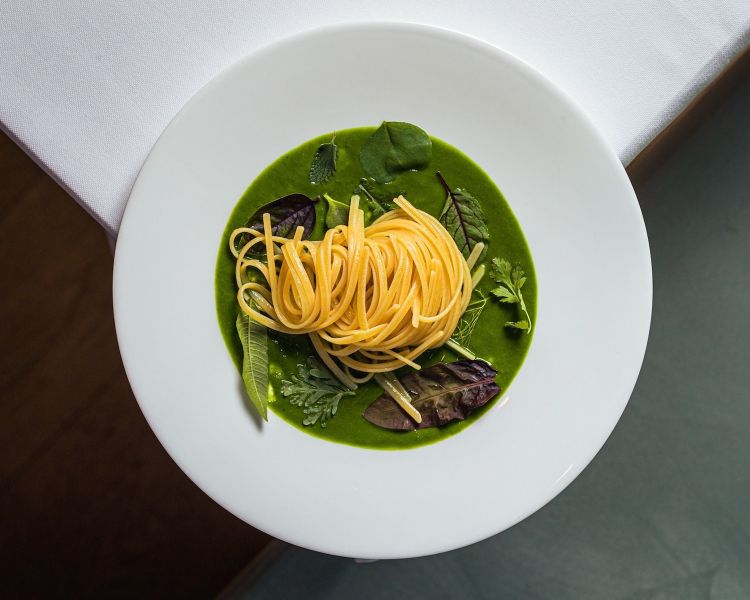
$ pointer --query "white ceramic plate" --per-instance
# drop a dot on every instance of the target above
(583, 225)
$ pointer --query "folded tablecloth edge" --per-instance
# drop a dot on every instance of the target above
(719, 63)
(111, 233)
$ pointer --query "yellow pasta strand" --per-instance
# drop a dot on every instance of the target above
(371, 298)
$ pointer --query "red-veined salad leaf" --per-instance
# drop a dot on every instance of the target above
(287, 213)
(441, 393)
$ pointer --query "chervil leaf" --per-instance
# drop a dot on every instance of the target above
(511, 279)
(462, 216)
(315, 390)
(324, 162)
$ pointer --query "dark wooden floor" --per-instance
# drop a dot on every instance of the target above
(90, 504)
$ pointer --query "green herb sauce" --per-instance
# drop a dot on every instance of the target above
(504, 348)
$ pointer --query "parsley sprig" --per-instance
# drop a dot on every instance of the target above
(511, 280)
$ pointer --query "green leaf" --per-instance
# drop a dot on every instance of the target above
(378, 198)
(338, 212)
(324, 162)
(517, 276)
(463, 218)
(505, 295)
(511, 279)
(315, 390)
(254, 339)
(395, 147)
(502, 267)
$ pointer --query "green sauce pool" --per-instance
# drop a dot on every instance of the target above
(504, 348)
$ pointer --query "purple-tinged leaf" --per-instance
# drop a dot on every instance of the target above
(441, 393)
(286, 214)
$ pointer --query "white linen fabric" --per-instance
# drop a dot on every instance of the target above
(86, 86)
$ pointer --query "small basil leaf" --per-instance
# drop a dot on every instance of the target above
(395, 147)
(324, 162)
(254, 339)
(464, 219)
(441, 393)
(287, 214)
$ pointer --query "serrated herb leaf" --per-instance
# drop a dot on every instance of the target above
(395, 147)
(511, 279)
(505, 295)
(324, 162)
(254, 340)
(315, 390)
(287, 213)
(441, 393)
(338, 212)
(464, 219)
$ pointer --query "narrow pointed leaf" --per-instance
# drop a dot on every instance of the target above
(254, 339)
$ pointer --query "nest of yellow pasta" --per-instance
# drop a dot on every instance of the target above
(372, 299)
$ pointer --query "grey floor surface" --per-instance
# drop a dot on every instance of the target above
(663, 512)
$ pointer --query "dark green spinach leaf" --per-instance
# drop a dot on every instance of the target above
(395, 147)
(441, 393)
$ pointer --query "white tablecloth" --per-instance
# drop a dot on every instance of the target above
(86, 86)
